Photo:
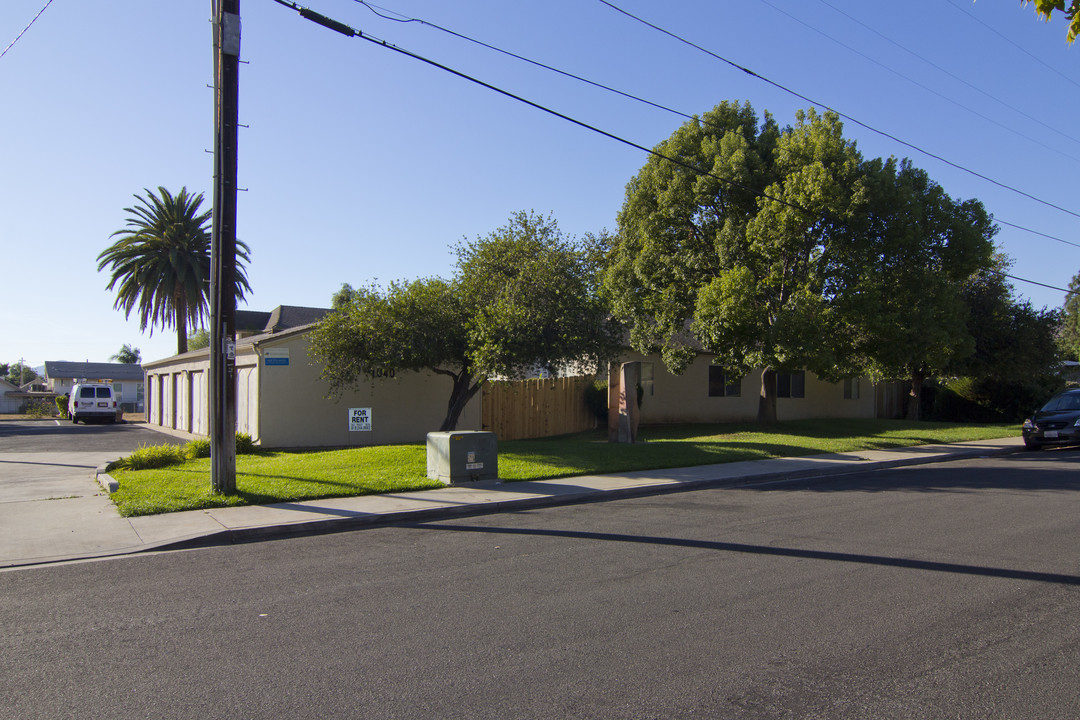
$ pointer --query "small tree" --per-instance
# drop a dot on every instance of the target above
(522, 298)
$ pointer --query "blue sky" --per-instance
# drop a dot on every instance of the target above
(361, 164)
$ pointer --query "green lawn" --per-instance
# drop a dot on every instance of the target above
(267, 477)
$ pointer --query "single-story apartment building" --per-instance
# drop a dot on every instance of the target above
(127, 380)
(281, 402)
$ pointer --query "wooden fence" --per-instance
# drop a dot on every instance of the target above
(536, 408)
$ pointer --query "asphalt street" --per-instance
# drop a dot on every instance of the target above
(934, 591)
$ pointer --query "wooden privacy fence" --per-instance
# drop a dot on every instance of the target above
(516, 409)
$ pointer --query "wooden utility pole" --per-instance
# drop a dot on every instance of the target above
(226, 23)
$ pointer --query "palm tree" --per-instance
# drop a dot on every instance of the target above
(128, 355)
(161, 263)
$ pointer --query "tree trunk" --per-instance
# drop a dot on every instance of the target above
(766, 413)
(914, 399)
(181, 325)
(459, 398)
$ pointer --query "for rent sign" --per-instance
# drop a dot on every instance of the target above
(359, 419)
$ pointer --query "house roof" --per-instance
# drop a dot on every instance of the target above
(285, 317)
(55, 370)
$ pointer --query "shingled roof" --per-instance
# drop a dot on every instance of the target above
(55, 370)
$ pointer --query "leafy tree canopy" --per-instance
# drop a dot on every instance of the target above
(906, 302)
(199, 339)
(522, 298)
(160, 262)
(19, 373)
(745, 253)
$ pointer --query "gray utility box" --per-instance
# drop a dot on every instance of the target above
(466, 456)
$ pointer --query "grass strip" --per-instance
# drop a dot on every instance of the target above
(279, 476)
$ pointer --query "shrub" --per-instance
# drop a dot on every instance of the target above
(197, 449)
(244, 444)
(62, 405)
(148, 457)
(39, 408)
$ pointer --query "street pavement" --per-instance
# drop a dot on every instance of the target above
(54, 506)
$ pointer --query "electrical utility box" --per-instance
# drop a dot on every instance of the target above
(460, 457)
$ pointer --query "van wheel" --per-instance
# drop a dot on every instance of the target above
(74, 420)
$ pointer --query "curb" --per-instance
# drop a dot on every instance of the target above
(237, 536)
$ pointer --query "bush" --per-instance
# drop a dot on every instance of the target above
(62, 405)
(197, 449)
(40, 408)
(244, 444)
(148, 457)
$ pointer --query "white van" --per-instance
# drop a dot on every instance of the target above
(92, 401)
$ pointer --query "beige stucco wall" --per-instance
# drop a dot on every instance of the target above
(685, 398)
(285, 405)
(295, 412)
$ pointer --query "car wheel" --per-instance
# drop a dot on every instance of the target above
(74, 420)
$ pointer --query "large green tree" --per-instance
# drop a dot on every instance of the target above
(160, 262)
(1070, 322)
(523, 297)
(738, 247)
(1016, 358)
(905, 298)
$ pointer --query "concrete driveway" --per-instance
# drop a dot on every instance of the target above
(49, 499)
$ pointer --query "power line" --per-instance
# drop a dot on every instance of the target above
(928, 89)
(349, 31)
(843, 115)
(1042, 62)
(12, 43)
(388, 14)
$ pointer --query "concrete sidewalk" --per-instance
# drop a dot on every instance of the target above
(88, 526)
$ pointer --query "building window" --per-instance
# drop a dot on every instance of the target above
(851, 389)
(791, 385)
(723, 384)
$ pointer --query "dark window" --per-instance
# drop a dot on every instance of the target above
(104, 392)
(86, 392)
(851, 389)
(791, 385)
(723, 384)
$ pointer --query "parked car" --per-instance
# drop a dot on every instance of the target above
(92, 401)
(1055, 423)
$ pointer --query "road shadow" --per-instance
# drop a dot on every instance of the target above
(748, 549)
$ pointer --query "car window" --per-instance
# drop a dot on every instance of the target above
(1062, 403)
(86, 392)
(104, 392)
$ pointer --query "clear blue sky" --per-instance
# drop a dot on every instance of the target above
(361, 164)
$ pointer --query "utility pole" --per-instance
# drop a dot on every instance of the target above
(226, 23)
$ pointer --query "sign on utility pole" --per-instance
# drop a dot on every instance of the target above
(226, 24)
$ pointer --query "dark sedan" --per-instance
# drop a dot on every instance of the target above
(1055, 423)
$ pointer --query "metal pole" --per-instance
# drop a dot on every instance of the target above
(226, 25)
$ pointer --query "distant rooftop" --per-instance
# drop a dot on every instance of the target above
(56, 369)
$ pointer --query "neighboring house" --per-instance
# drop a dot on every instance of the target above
(11, 398)
(281, 402)
(127, 380)
(705, 393)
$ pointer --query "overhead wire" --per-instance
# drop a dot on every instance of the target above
(817, 103)
(12, 43)
(349, 31)
(930, 90)
(388, 14)
(944, 70)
